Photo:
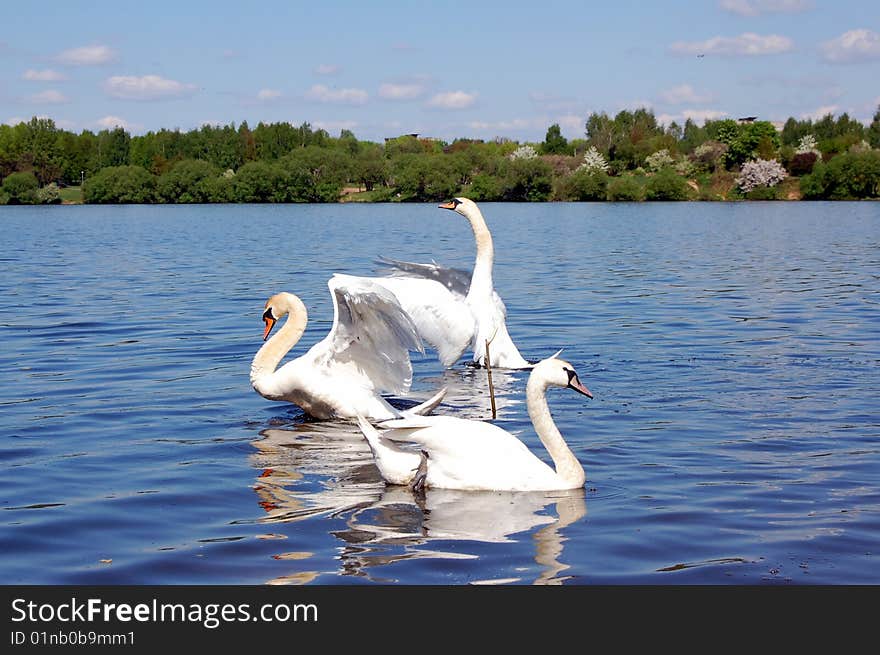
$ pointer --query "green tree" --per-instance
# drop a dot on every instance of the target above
(113, 147)
(850, 176)
(872, 134)
(120, 184)
(628, 138)
(794, 130)
(320, 173)
(39, 150)
(403, 145)
(260, 181)
(423, 178)
(370, 167)
(20, 188)
(692, 136)
(247, 143)
(583, 185)
(554, 143)
(527, 180)
(625, 189)
(666, 185)
(274, 140)
(485, 187)
(185, 182)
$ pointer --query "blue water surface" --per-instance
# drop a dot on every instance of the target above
(732, 350)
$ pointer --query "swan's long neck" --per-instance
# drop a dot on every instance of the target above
(567, 465)
(272, 352)
(481, 279)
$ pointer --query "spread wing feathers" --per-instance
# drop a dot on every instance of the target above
(371, 334)
(457, 280)
(442, 319)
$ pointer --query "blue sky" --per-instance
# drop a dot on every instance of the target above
(442, 69)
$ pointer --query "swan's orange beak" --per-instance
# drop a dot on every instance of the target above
(269, 320)
(270, 323)
(447, 205)
(578, 386)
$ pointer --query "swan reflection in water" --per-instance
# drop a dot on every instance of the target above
(326, 469)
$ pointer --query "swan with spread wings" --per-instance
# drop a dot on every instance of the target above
(365, 354)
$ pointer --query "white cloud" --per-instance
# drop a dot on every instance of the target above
(758, 7)
(326, 69)
(322, 93)
(47, 75)
(147, 87)
(684, 94)
(49, 97)
(453, 100)
(14, 120)
(747, 44)
(852, 46)
(112, 122)
(407, 91)
(820, 112)
(268, 94)
(90, 55)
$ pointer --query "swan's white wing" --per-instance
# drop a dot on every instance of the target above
(442, 319)
(453, 439)
(457, 280)
(371, 334)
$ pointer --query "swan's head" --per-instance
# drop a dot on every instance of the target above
(464, 206)
(276, 308)
(559, 373)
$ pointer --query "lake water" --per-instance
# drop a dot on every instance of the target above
(732, 350)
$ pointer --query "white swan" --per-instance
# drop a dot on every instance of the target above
(464, 454)
(365, 353)
(454, 310)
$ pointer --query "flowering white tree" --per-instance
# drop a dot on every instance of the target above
(807, 144)
(49, 194)
(659, 160)
(594, 161)
(524, 152)
(760, 173)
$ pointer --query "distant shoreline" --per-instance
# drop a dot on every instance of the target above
(631, 157)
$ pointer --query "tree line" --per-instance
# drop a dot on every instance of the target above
(629, 156)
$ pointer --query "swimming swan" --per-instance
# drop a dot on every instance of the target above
(464, 454)
(365, 353)
(454, 310)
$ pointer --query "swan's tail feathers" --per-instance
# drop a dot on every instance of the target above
(428, 406)
(397, 465)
